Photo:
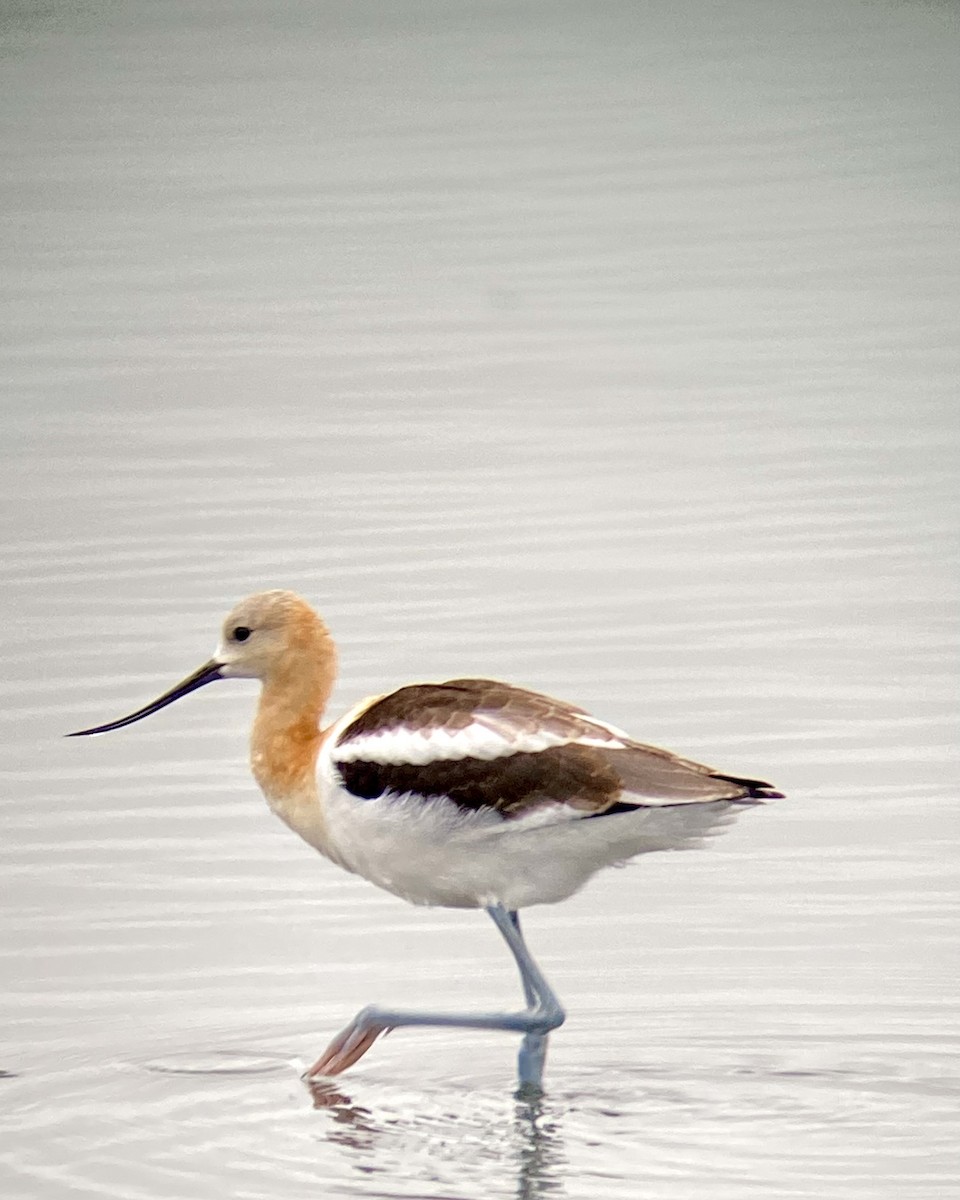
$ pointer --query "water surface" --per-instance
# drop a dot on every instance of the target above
(607, 349)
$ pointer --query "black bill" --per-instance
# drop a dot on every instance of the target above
(206, 674)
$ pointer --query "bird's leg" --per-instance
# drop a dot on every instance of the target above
(528, 993)
(540, 999)
(543, 1013)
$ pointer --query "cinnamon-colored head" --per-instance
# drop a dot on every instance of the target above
(272, 635)
(275, 637)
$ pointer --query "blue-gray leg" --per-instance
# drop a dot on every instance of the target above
(543, 1013)
(542, 1003)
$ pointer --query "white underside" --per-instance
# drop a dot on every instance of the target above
(433, 852)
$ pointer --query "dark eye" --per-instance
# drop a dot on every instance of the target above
(241, 633)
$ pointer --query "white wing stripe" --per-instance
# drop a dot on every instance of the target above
(403, 746)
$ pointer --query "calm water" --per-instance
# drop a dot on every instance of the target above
(610, 348)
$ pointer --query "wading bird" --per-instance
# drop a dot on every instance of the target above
(464, 794)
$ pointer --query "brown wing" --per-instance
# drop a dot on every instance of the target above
(455, 705)
(485, 744)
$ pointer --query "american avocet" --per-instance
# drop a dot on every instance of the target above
(466, 794)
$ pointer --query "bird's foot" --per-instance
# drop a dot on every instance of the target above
(350, 1045)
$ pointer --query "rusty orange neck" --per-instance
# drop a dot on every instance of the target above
(286, 732)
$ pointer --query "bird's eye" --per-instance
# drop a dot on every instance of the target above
(241, 633)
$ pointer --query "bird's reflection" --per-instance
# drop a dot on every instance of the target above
(357, 1126)
(540, 1157)
(532, 1140)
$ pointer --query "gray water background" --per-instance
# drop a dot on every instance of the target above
(610, 348)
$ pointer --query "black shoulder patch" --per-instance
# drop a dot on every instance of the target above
(511, 785)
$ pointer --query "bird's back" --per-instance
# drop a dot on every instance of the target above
(472, 790)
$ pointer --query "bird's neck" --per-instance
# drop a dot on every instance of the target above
(286, 733)
(284, 746)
